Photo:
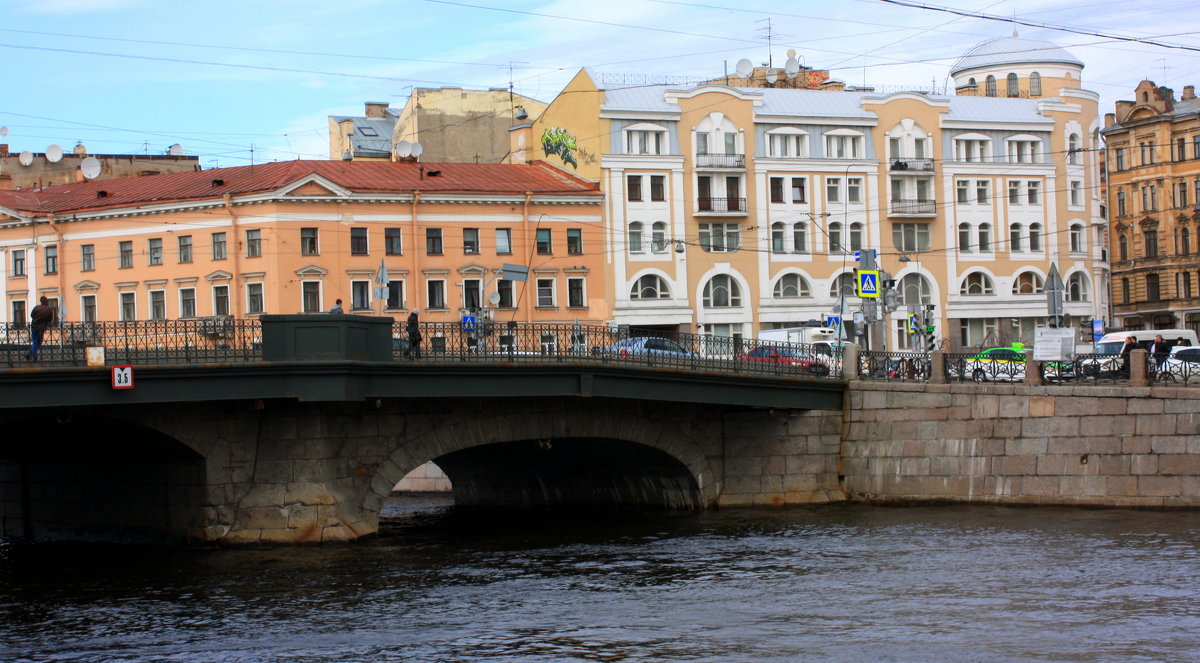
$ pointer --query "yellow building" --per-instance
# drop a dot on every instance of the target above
(736, 209)
(294, 237)
(1153, 147)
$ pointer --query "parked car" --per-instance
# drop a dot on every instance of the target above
(803, 362)
(650, 346)
(993, 364)
(1182, 364)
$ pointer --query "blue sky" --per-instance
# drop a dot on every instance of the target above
(232, 81)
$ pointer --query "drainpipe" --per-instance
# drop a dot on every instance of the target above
(418, 278)
(528, 257)
(235, 299)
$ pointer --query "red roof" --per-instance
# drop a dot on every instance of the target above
(356, 176)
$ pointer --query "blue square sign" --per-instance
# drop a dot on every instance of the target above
(868, 283)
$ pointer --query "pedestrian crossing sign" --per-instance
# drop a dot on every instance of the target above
(868, 283)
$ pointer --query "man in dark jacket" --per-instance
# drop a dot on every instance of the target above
(413, 328)
(41, 317)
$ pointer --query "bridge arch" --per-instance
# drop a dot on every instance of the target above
(565, 453)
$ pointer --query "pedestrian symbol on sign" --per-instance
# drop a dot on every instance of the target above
(868, 283)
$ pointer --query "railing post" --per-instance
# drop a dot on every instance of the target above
(1033, 370)
(1137, 369)
(850, 361)
(937, 367)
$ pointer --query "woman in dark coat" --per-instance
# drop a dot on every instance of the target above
(413, 328)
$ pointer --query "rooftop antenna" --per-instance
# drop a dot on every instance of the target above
(770, 62)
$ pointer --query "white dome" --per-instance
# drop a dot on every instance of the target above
(1013, 50)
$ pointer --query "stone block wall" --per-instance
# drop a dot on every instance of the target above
(775, 457)
(1015, 444)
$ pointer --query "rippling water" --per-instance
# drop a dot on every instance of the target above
(844, 583)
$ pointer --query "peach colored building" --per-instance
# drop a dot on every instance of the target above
(294, 237)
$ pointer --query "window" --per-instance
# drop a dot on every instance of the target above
(1125, 290)
(973, 147)
(787, 143)
(1150, 243)
(545, 293)
(856, 236)
(435, 294)
(634, 188)
(833, 189)
(1014, 89)
(1035, 85)
(1121, 210)
(360, 295)
(1147, 150)
(87, 305)
(1153, 292)
(1075, 238)
(253, 243)
(220, 300)
(843, 286)
(799, 190)
(545, 244)
(991, 86)
(358, 242)
(650, 287)
(433, 241)
(777, 237)
(1185, 241)
(854, 189)
(125, 255)
(1033, 192)
(843, 146)
(776, 186)
(1075, 194)
(911, 237)
(1014, 192)
(470, 241)
(218, 247)
(1120, 155)
(308, 242)
(185, 248)
(472, 291)
(645, 140)
(983, 192)
(976, 283)
(985, 237)
(1180, 149)
(1035, 237)
(1123, 248)
(310, 296)
(87, 257)
(575, 241)
(18, 265)
(658, 188)
(505, 288)
(658, 237)
(187, 302)
(791, 286)
(1028, 283)
(503, 241)
(1077, 288)
(154, 250)
(158, 305)
(964, 237)
(18, 313)
(800, 237)
(51, 259)
(722, 291)
(963, 188)
(1073, 149)
(393, 242)
(1014, 237)
(254, 298)
(1181, 195)
(635, 237)
(128, 307)
(835, 237)
(576, 295)
(720, 237)
(395, 295)
(1024, 151)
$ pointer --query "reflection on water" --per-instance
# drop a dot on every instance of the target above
(841, 583)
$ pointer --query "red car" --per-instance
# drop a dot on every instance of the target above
(804, 363)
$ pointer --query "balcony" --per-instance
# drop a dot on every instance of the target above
(902, 165)
(913, 208)
(735, 206)
(705, 160)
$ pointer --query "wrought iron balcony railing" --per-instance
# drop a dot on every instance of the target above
(726, 205)
(705, 160)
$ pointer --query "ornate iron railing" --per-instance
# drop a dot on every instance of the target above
(911, 366)
(140, 342)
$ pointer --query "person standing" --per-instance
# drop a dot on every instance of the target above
(413, 328)
(1127, 354)
(337, 307)
(1159, 351)
(41, 317)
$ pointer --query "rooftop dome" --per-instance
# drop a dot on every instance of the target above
(1012, 50)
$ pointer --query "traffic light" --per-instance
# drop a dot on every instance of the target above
(930, 328)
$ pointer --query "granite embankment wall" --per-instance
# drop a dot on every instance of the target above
(1018, 444)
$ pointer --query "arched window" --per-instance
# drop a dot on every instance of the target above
(914, 289)
(985, 237)
(991, 85)
(1014, 237)
(716, 134)
(791, 286)
(856, 236)
(646, 139)
(964, 237)
(800, 237)
(835, 237)
(843, 286)
(787, 143)
(722, 291)
(658, 237)
(1077, 287)
(1035, 85)
(1014, 89)
(1073, 149)
(635, 237)
(777, 237)
(1122, 248)
(1028, 283)
(1035, 237)
(650, 286)
(1076, 239)
(971, 81)
(976, 283)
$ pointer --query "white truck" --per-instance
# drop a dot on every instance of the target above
(823, 339)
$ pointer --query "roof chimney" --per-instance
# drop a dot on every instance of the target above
(1189, 92)
(6, 182)
(377, 109)
(4, 149)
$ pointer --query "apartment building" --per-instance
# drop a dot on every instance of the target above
(734, 209)
(294, 237)
(1153, 150)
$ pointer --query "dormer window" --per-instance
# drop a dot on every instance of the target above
(1024, 149)
(646, 139)
(1035, 85)
(787, 143)
(1014, 89)
(843, 144)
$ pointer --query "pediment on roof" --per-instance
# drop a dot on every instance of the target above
(218, 276)
(314, 186)
(86, 285)
(311, 270)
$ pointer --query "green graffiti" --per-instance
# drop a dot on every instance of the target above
(558, 141)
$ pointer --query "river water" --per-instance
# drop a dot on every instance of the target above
(834, 583)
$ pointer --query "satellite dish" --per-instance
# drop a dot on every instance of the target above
(792, 53)
(90, 167)
(772, 75)
(404, 149)
(54, 154)
(744, 68)
(417, 149)
(80, 149)
(26, 158)
(175, 150)
(3, 131)
(791, 67)
(494, 299)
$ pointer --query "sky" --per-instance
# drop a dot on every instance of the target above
(250, 81)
